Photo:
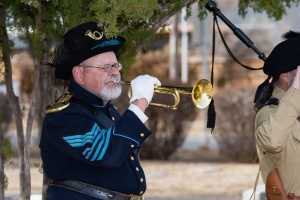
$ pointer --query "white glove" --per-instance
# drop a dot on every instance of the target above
(143, 87)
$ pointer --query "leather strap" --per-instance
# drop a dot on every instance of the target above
(294, 198)
(95, 111)
(95, 191)
(291, 196)
(274, 186)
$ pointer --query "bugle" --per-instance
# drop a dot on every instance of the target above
(201, 93)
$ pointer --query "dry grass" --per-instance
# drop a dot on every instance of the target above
(197, 179)
(188, 174)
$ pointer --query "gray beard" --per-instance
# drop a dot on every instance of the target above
(108, 94)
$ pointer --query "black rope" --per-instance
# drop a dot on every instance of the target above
(211, 113)
(230, 53)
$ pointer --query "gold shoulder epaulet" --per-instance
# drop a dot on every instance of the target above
(60, 104)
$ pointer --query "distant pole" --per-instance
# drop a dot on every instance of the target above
(196, 34)
(173, 40)
(204, 49)
(204, 69)
(184, 47)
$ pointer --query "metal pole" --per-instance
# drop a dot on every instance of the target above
(204, 49)
(204, 68)
(173, 40)
(184, 48)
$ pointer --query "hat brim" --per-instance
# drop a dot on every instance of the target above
(64, 70)
(284, 57)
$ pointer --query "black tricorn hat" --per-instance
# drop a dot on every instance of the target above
(284, 57)
(80, 43)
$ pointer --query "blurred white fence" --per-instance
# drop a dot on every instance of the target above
(260, 193)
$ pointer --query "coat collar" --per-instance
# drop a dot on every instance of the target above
(278, 93)
(86, 95)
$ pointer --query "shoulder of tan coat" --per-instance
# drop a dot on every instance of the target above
(263, 114)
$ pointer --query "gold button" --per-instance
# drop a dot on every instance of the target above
(131, 157)
(137, 169)
(142, 180)
(113, 118)
(141, 192)
(142, 134)
(132, 146)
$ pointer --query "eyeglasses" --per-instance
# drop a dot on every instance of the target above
(107, 67)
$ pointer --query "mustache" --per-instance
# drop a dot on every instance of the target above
(112, 79)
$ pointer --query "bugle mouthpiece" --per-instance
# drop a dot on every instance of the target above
(119, 82)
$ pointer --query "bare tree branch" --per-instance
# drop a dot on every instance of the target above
(124, 28)
(13, 99)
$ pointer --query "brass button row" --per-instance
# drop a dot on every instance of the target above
(141, 179)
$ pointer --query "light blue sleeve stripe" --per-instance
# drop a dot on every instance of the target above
(127, 138)
(103, 134)
(80, 143)
(77, 144)
(94, 130)
(106, 144)
(80, 140)
(87, 137)
(94, 144)
(89, 134)
(87, 149)
(74, 137)
(97, 137)
(88, 141)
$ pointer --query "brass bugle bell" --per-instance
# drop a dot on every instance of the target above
(201, 93)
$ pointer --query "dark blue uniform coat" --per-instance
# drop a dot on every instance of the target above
(76, 145)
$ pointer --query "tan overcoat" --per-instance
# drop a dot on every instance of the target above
(277, 133)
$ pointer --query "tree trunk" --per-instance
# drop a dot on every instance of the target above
(35, 93)
(14, 101)
(29, 129)
(2, 177)
(46, 96)
(46, 91)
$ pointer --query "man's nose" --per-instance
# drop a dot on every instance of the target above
(114, 71)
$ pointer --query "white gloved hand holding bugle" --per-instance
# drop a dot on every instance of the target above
(143, 87)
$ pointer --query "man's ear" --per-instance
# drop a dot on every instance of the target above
(77, 74)
(285, 77)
